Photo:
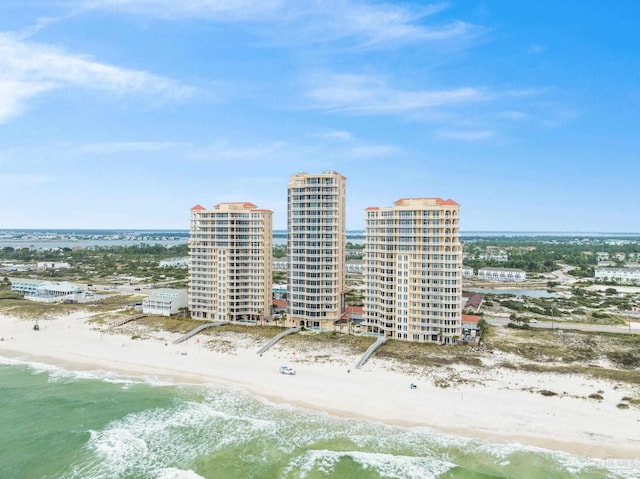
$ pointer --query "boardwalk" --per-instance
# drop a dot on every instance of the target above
(277, 338)
(126, 320)
(370, 351)
(195, 331)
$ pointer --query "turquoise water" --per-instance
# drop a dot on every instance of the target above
(64, 425)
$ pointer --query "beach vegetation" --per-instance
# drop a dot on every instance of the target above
(546, 392)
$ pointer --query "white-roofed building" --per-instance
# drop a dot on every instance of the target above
(51, 292)
(355, 266)
(622, 275)
(52, 265)
(25, 286)
(179, 262)
(502, 274)
(281, 263)
(467, 272)
(165, 302)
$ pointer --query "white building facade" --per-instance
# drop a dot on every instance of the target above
(621, 275)
(502, 274)
(165, 302)
(467, 272)
(178, 262)
(50, 291)
(52, 265)
(413, 259)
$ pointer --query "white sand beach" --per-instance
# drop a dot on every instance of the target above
(498, 404)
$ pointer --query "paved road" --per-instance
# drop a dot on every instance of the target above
(564, 325)
(562, 274)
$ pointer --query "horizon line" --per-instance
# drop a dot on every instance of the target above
(284, 230)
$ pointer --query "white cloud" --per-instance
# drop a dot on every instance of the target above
(465, 135)
(366, 94)
(14, 94)
(367, 24)
(212, 9)
(28, 69)
(337, 135)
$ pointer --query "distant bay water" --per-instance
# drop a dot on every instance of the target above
(67, 238)
(58, 424)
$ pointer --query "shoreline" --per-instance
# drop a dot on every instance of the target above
(502, 407)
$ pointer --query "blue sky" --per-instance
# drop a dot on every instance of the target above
(126, 113)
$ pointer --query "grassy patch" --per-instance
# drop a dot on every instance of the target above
(428, 354)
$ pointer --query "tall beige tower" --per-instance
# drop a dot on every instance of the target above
(230, 262)
(316, 235)
(413, 261)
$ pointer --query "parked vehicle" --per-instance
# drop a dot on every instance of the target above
(287, 370)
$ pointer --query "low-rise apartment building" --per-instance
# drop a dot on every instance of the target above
(502, 274)
(621, 275)
(165, 302)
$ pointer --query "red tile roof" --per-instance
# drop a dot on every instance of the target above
(198, 207)
(279, 303)
(354, 309)
(467, 318)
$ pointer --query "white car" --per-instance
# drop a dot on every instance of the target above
(534, 321)
(287, 370)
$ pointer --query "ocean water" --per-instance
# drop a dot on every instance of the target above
(65, 425)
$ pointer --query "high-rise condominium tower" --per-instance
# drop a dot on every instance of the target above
(413, 261)
(230, 262)
(316, 235)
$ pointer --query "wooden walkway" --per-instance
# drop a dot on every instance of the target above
(195, 331)
(370, 351)
(127, 320)
(277, 338)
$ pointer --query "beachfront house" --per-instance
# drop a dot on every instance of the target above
(470, 328)
(25, 286)
(279, 291)
(279, 308)
(165, 302)
(472, 301)
(50, 292)
(502, 274)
